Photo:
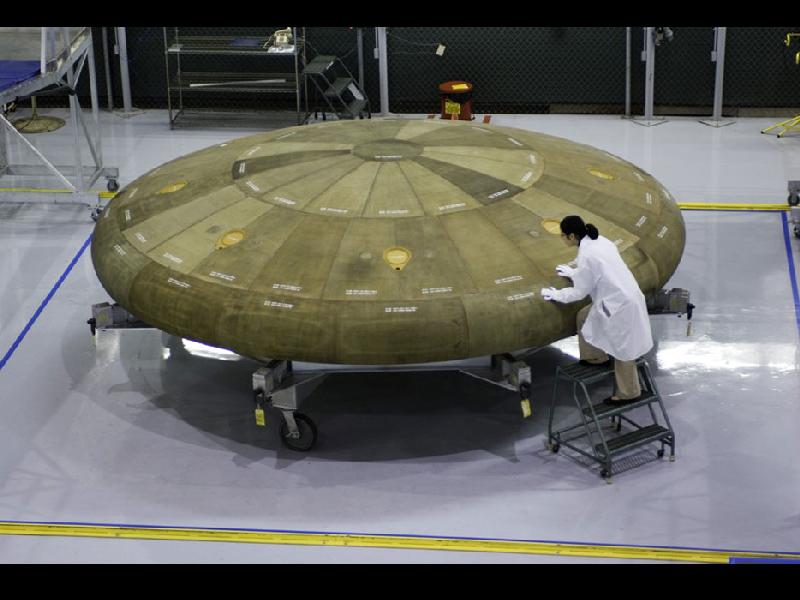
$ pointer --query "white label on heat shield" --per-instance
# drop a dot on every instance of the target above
(182, 284)
(516, 297)
(498, 194)
(224, 276)
(173, 258)
(273, 304)
(508, 279)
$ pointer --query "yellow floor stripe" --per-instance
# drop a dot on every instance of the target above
(730, 206)
(683, 205)
(375, 541)
(100, 193)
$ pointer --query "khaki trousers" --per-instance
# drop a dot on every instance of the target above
(626, 374)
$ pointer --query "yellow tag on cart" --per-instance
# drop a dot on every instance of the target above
(526, 408)
(261, 420)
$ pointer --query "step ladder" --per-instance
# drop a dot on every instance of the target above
(603, 448)
(337, 86)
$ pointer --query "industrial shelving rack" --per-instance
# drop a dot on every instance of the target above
(285, 76)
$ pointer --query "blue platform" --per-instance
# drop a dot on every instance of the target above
(13, 72)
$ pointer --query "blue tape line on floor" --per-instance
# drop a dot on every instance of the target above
(763, 561)
(792, 272)
(39, 310)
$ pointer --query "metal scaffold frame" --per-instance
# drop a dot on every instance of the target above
(62, 69)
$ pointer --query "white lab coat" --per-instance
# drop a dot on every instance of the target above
(618, 322)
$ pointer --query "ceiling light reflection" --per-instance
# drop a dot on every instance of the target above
(204, 351)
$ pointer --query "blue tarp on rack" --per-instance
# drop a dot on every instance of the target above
(13, 72)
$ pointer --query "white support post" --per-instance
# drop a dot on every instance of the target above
(360, 45)
(628, 72)
(124, 75)
(74, 108)
(123, 69)
(98, 151)
(383, 69)
(718, 56)
(649, 80)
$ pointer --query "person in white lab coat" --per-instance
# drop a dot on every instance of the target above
(616, 323)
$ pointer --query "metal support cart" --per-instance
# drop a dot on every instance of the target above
(602, 448)
(284, 385)
(64, 53)
(284, 60)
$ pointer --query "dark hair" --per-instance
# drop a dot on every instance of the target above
(573, 224)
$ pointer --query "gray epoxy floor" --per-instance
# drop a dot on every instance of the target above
(130, 428)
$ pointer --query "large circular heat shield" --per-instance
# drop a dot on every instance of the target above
(375, 241)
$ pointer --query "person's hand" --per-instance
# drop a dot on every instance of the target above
(565, 271)
(548, 293)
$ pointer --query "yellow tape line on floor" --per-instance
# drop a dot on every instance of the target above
(55, 191)
(731, 206)
(377, 541)
(683, 205)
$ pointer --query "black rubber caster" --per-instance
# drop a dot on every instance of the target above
(794, 199)
(554, 448)
(797, 232)
(92, 323)
(113, 185)
(308, 433)
(660, 453)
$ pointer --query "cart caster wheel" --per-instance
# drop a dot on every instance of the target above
(672, 458)
(660, 453)
(797, 232)
(607, 476)
(92, 323)
(113, 185)
(554, 448)
(96, 214)
(308, 434)
(793, 199)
